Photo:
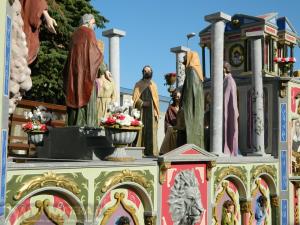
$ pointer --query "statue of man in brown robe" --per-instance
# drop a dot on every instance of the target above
(145, 98)
(33, 12)
(80, 73)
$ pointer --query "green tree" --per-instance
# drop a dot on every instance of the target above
(47, 69)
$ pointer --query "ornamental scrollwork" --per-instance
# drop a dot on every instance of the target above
(43, 207)
(263, 169)
(224, 172)
(126, 175)
(48, 179)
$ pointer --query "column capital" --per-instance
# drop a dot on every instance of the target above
(179, 49)
(218, 16)
(113, 32)
(255, 34)
(246, 206)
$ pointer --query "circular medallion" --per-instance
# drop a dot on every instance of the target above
(236, 55)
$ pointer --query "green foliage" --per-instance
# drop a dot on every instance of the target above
(47, 69)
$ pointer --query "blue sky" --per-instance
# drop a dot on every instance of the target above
(154, 26)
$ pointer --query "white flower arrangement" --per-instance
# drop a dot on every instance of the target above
(119, 116)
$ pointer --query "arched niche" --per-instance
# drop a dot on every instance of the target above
(264, 187)
(233, 189)
(115, 198)
(39, 203)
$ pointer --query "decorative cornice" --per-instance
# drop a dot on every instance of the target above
(163, 168)
(126, 175)
(48, 179)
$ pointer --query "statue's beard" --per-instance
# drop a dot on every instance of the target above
(147, 75)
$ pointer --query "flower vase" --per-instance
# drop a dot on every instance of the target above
(36, 137)
(120, 137)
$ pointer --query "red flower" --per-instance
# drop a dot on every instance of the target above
(43, 127)
(121, 117)
(110, 121)
(27, 126)
(135, 123)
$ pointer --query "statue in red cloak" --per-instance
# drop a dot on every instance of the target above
(80, 73)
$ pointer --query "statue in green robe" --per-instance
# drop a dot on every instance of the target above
(193, 100)
(228, 217)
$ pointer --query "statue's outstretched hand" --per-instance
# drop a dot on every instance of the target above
(50, 22)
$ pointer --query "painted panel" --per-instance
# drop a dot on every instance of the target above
(283, 170)
(3, 171)
(284, 212)
(185, 187)
(7, 56)
(283, 122)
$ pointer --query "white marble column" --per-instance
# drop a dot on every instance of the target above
(217, 21)
(114, 36)
(258, 93)
(180, 52)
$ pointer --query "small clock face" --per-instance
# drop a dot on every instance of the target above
(236, 55)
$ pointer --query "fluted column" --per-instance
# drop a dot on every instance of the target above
(114, 36)
(217, 21)
(180, 52)
(258, 94)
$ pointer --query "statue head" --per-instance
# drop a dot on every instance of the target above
(176, 95)
(262, 201)
(226, 68)
(88, 20)
(185, 199)
(123, 220)
(228, 205)
(147, 72)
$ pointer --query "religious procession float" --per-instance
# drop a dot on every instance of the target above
(228, 157)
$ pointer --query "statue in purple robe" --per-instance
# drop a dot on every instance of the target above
(231, 113)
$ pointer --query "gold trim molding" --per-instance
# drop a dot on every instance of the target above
(209, 167)
(163, 168)
(268, 169)
(48, 179)
(223, 172)
(126, 175)
(120, 201)
(43, 207)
